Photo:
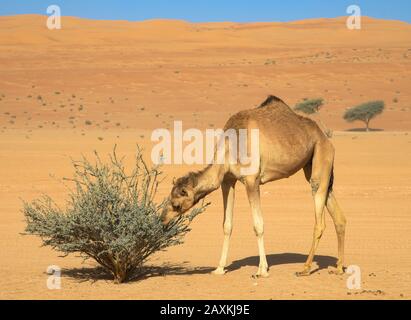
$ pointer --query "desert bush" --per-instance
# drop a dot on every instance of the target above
(310, 106)
(110, 216)
(269, 62)
(365, 112)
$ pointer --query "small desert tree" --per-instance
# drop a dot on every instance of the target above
(110, 216)
(365, 112)
(312, 107)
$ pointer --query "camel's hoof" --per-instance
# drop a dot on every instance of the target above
(261, 274)
(219, 272)
(304, 273)
(338, 271)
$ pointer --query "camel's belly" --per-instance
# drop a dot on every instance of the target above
(277, 173)
(278, 163)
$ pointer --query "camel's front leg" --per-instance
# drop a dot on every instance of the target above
(253, 192)
(228, 188)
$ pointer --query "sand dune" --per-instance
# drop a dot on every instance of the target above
(31, 29)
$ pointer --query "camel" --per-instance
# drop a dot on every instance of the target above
(288, 143)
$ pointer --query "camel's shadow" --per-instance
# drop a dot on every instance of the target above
(94, 274)
(323, 262)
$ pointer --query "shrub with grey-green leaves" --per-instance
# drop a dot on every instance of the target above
(110, 216)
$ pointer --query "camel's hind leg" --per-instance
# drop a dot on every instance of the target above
(339, 223)
(319, 171)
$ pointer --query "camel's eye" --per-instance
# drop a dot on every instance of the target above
(183, 193)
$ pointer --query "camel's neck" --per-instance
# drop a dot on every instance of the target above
(208, 180)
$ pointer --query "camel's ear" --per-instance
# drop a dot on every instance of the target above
(174, 181)
(194, 182)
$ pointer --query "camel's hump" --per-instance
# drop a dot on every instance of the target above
(270, 100)
(272, 110)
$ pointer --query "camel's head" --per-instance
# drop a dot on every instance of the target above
(182, 198)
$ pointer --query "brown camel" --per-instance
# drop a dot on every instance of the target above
(287, 143)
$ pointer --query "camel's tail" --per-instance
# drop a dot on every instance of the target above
(331, 183)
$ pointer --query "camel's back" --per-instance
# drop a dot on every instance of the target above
(274, 118)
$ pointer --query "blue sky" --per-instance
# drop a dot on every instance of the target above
(211, 10)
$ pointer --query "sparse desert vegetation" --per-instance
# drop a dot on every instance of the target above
(365, 112)
(310, 106)
(313, 107)
(110, 216)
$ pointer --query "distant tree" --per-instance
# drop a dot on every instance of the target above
(365, 112)
(312, 107)
(309, 106)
